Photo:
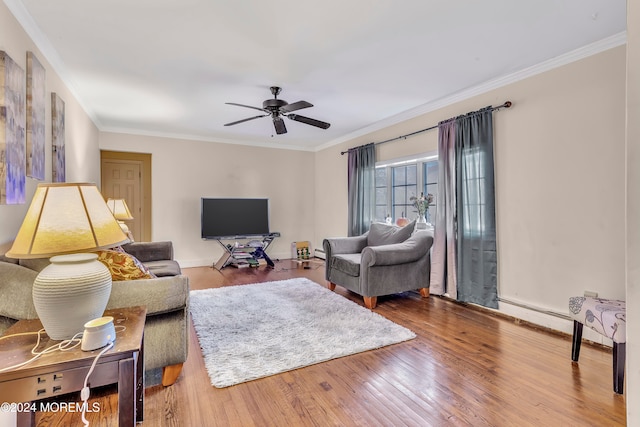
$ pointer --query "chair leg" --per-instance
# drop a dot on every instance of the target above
(370, 302)
(170, 374)
(331, 286)
(577, 340)
(619, 350)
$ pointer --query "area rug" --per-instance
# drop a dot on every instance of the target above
(253, 331)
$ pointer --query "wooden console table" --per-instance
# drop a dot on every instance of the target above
(59, 373)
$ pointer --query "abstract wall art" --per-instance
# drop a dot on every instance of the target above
(57, 138)
(12, 131)
(36, 99)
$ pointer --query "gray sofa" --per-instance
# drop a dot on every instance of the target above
(165, 297)
(385, 260)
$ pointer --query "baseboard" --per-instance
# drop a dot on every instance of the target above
(558, 322)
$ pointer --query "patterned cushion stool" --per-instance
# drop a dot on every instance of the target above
(607, 317)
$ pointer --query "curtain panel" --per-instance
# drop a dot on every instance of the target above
(464, 257)
(361, 188)
(477, 261)
(443, 256)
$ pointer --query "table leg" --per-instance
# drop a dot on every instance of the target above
(140, 383)
(26, 419)
(126, 392)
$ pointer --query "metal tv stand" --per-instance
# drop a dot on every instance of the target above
(244, 251)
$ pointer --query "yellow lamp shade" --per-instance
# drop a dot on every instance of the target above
(120, 209)
(66, 218)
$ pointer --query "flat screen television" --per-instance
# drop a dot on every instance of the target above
(234, 218)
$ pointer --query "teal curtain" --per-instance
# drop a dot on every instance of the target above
(464, 256)
(477, 261)
(361, 188)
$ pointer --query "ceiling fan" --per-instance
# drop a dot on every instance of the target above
(278, 108)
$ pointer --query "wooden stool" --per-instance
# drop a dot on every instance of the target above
(608, 318)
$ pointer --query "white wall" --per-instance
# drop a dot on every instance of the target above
(632, 389)
(82, 153)
(559, 154)
(183, 171)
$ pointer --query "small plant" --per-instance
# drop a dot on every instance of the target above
(422, 203)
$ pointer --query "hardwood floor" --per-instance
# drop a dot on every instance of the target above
(465, 368)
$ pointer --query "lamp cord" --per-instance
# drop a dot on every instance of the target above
(64, 345)
(84, 393)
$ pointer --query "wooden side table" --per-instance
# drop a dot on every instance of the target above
(58, 373)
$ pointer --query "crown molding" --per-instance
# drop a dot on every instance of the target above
(41, 41)
(607, 43)
(197, 138)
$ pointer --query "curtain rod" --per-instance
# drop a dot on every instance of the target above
(507, 104)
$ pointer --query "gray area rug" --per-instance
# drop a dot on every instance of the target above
(253, 331)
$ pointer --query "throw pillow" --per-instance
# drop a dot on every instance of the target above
(123, 266)
(384, 234)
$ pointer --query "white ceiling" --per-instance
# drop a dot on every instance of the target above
(167, 67)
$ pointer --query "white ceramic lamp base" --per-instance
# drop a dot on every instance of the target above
(69, 292)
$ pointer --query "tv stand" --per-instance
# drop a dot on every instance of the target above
(241, 252)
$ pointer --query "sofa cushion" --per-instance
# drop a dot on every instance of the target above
(167, 267)
(16, 287)
(123, 266)
(159, 295)
(347, 263)
(150, 251)
(35, 264)
(385, 234)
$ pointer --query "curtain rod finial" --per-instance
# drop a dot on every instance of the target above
(508, 104)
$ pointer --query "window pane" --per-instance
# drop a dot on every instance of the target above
(399, 175)
(399, 212)
(432, 172)
(381, 213)
(411, 192)
(399, 195)
(432, 189)
(381, 177)
(412, 174)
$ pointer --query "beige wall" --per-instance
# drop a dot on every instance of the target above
(632, 389)
(183, 171)
(559, 154)
(82, 153)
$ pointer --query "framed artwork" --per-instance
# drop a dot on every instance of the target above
(57, 138)
(12, 131)
(36, 98)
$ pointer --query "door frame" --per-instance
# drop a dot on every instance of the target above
(145, 160)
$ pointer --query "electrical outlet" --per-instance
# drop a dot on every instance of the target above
(591, 294)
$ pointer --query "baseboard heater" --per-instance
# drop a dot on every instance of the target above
(534, 308)
(319, 253)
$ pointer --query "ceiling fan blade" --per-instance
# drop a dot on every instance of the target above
(278, 123)
(246, 106)
(309, 121)
(245, 120)
(296, 106)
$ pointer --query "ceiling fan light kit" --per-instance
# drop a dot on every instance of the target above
(278, 108)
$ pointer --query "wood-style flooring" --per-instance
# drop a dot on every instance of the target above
(466, 368)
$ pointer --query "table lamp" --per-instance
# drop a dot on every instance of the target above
(64, 221)
(121, 212)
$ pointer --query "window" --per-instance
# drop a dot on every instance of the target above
(398, 181)
(475, 204)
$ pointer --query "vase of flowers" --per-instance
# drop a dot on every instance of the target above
(421, 204)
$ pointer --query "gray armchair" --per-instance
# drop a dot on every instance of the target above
(385, 260)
